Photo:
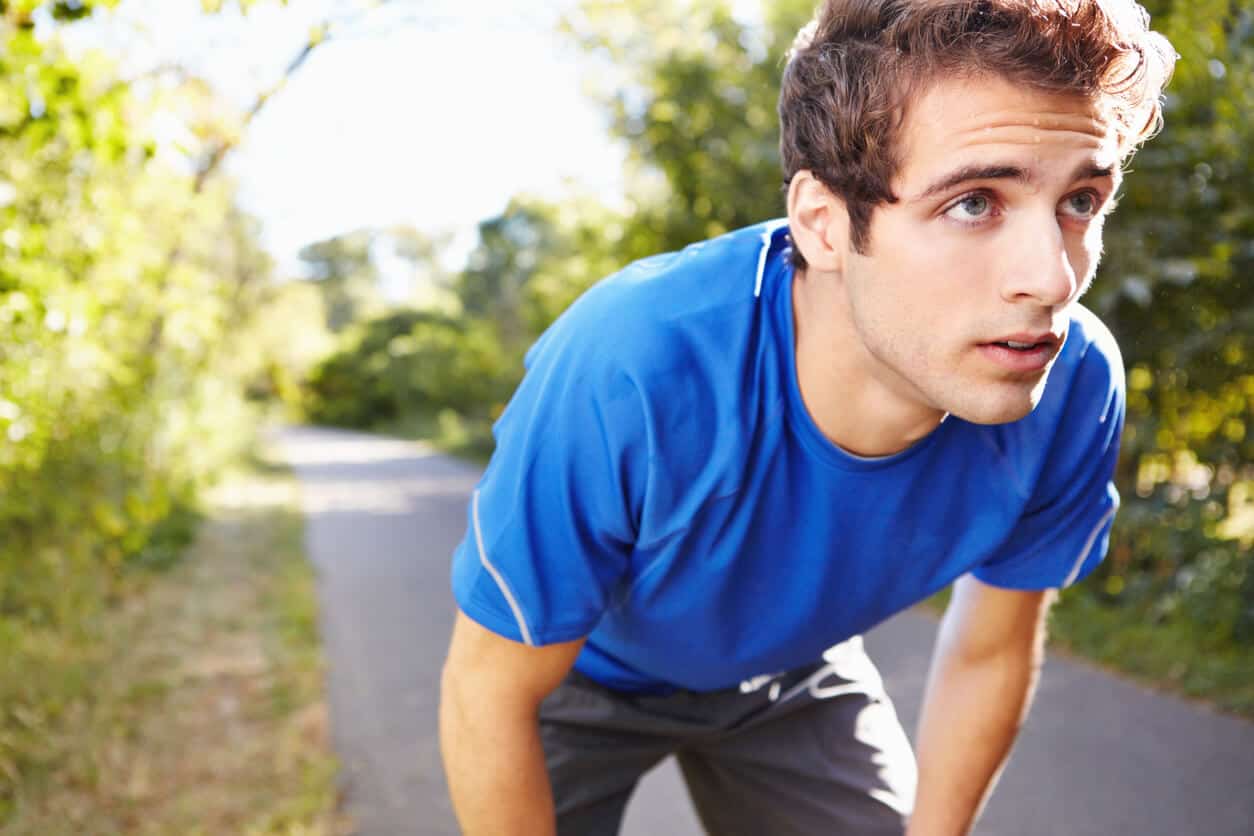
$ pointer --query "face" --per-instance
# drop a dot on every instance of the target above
(962, 297)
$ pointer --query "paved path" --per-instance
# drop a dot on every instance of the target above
(1100, 757)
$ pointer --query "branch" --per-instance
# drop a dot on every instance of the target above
(321, 34)
(224, 147)
(330, 29)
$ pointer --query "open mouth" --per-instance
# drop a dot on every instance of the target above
(1025, 347)
(1029, 354)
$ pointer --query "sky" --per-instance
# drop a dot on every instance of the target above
(431, 113)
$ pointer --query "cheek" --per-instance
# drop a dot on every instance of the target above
(896, 288)
(915, 271)
(922, 264)
(1093, 241)
(955, 257)
(916, 291)
(1087, 252)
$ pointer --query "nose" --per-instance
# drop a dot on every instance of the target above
(1040, 270)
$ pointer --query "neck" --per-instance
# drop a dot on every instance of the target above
(860, 404)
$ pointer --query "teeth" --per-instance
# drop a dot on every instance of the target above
(1014, 344)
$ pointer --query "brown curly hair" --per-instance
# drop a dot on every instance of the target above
(855, 68)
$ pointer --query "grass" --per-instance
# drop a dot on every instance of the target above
(194, 704)
(1170, 656)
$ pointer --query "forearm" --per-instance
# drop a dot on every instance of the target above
(495, 765)
(971, 714)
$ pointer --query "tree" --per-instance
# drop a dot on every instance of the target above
(510, 250)
(343, 269)
(428, 283)
(1176, 290)
(696, 104)
(122, 278)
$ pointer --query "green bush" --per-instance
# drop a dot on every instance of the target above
(414, 363)
(120, 279)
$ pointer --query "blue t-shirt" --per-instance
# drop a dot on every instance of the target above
(659, 487)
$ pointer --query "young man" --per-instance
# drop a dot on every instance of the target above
(725, 464)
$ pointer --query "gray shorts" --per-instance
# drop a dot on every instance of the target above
(810, 751)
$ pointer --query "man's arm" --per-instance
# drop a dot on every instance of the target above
(984, 671)
(490, 696)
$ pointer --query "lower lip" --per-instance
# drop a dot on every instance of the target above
(1032, 360)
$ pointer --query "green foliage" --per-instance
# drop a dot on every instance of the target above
(696, 105)
(288, 335)
(534, 259)
(104, 749)
(22, 13)
(511, 248)
(1176, 653)
(1176, 290)
(345, 272)
(413, 362)
(120, 277)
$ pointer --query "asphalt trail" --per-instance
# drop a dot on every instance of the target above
(1099, 757)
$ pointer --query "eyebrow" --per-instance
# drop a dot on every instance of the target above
(969, 173)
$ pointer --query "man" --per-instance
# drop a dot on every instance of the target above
(725, 464)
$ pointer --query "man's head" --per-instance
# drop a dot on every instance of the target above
(855, 71)
(950, 166)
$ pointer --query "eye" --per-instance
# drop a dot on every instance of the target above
(973, 207)
(1080, 205)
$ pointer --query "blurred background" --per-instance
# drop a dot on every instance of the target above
(215, 215)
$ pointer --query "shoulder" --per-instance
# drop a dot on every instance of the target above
(1062, 457)
(1080, 411)
(675, 350)
(1095, 356)
(644, 319)
(1086, 381)
(1080, 417)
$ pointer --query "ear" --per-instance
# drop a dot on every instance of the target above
(818, 223)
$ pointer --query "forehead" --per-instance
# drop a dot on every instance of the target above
(976, 120)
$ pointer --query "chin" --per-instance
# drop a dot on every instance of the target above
(995, 416)
(1006, 406)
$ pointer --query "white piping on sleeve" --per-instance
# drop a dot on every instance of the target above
(499, 578)
(766, 248)
(1088, 546)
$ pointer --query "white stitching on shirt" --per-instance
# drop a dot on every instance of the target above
(766, 248)
(1088, 546)
(500, 580)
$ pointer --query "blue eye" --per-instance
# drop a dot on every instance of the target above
(1082, 205)
(973, 206)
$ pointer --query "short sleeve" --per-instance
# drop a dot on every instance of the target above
(551, 525)
(1065, 530)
